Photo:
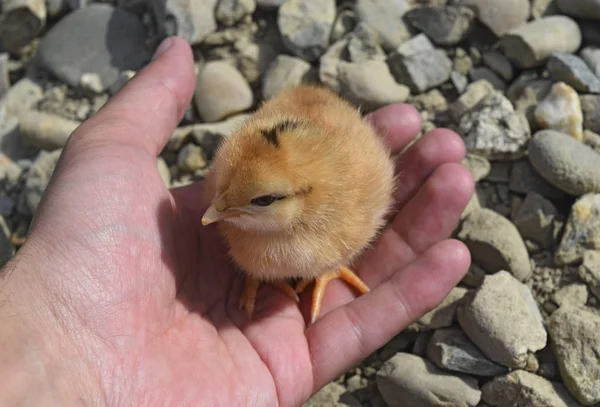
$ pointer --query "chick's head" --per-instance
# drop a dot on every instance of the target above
(265, 177)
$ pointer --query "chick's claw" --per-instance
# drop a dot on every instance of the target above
(251, 285)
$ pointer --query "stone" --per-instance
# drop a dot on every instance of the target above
(592, 140)
(536, 220)
(221, 92)
(363, 44)
(575, 339)
(591, 56)
(531, 44)
(370, 84)
(420, 71)
(21, 97)
(572, 295)
(459, 81)
(229, 12)
(305, 26)
(503, 320)
(451, 349)
(191, 158)
(495, 243)
(416, 45)
(201, 132)
(588, 9)
(445, 26)
(564, 162)
(524, 179)
(589, 271)
(500, 17)
(21, 21)
(269, 4)
(573, 71)
(112, 39)
(590, 105)
(543, 8)
(524, 389)
(285, 72)
(410, 381)
(473, 95)
(444, 315)
(387, 18)
(190, 20)
(38, 177)
(582, 231)
(526, 92)
(494, 130)
(498, 63)
(329, 396)
(561, 111)
(4, 73)
(486, 74)
(345, 22)
(45, 131)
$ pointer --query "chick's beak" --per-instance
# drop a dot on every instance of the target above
(213, 215)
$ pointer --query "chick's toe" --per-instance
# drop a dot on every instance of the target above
(251, 285)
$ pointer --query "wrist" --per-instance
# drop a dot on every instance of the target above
(40, 363)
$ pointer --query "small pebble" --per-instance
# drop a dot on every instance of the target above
(22, 22)
(285, 72)
(498, 63)
(588, 9)
(38, 177)
(561, 111)
(190, 20)
(589, 271)
(500, 17)
(573, 295)
(445, 26)
(572, 70)
(229, 12)
(4, 73)
(191, 158)
(421, 71)
(591, 56)
(44, 130)
(590, 105)
(387, 18)
(582, 231)
(536, 220)
(524, 179)
(486, 74)
(21, 97)
(472, 96)
(363, 44)
(444, 315)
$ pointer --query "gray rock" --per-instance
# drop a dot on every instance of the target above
(21, 97)
(472, 96)
(269, 4)
(111, 39)
(589, 271)
(536, 220)
(416, 45)
(565, 162)
(524, 179)
(494, 130)
(332, 395)
(4, 73)
(445, 26)
(503, 320)
(486, 74)
(500, 17)
(409, 381)
(533, 43)
(363, 44)
(498, 63)
(478, 166)
(573, 71)
(575, 338)
(44, 130)
(526, 92)
(588, 9)
(591, 56)
(421, 71)
(370, 84)
(561, 111)
(305, 26)
(20, 22)
(524, 389)
(572, 295)
(495, 243)
(190, 20)
(459, 81)
(38, 177)
(592, 140)
(285, 72)
(451, 349)
(229, 12)
(221, 91)
(202, 132)
(387, 18)
(345, 22)
(590, 105)
(582, 231)
(444, 314)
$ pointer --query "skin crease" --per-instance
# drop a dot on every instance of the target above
(121, 297)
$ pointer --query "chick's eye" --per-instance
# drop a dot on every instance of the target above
(265, 200)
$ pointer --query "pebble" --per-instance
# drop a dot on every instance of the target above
(543, 8)
(573, 71)
(221, 91)
(495, 243)
(22, 21)
(4, 73)
(200, 132)
(582, 231)
(590, 105)
(191, 158)
(526, 92)
(444, 315)
(531, 44)
(572, 295)
(269, 4)
(38, 177)
(486, 74)
(536, 220)
(285, 72)
(494, 130)
(565, 162)
(472, 96)
(524, 179)
(407, 380)
(112, 40)
(363, 44)
(575, 338)
(190, 20)
(589, 271)
(445, 26)
(524, 389)
(561, 111)
(305, 26)
(329, 395)
(500, 17)
(229, 12)
(588, 9)
(21, 97)
(452, 349)
(592, 140)
(387, 18)
(420, 70)
(498, 63)
(370, 84)
(503, 320)
(591, 56)
(45, 131)
(345, 22)
(459, 81)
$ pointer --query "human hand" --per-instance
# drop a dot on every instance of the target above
(120, 296)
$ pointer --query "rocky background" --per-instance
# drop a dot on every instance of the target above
(518, 79)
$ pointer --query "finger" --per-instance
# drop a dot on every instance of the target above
(149, 107)
(345, 336)
(435, 148)
(398, 124)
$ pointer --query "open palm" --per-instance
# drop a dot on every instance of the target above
(149, 299)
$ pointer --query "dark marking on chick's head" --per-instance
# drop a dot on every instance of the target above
(271, 134)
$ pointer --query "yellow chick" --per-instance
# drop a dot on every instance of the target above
(299, 191)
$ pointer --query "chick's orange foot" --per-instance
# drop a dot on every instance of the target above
(321, 282)
(250, 290)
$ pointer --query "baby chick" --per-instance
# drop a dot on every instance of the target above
(299, 191)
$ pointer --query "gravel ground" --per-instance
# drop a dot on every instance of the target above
(519, 80)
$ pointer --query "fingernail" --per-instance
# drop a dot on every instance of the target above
(162, 48)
